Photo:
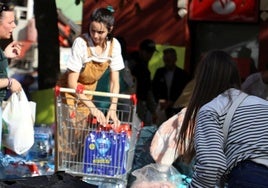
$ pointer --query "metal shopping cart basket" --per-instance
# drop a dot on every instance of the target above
(99, 154)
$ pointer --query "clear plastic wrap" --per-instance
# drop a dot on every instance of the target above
(156, 175)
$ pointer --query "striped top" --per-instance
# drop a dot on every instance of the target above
(247, 137)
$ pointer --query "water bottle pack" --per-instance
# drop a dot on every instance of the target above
(106, 151)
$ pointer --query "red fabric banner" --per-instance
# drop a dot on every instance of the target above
(224, 10)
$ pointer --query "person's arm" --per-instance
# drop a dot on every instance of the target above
(114, 88)
(12, 50)
(10, 83)
(116, 65)
(210, 160)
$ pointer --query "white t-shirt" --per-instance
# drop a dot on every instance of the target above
(79, 54)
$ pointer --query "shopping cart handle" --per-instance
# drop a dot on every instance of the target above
(57, 91)
(96, 93)
(80, 88)
(134, 99)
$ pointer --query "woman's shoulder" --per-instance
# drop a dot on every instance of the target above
(79, 42)
(114, 41)
(114, 46)
(220, 102)
(252, 99)
(83, 39)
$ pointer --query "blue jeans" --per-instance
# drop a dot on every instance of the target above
(248, 174)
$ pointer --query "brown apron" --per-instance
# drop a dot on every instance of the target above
(89, 75)
(75, 129)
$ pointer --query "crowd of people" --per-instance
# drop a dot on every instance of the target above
(241, 161)
(238, 161)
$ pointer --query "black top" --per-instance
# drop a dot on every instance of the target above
(160, 88)
(3, 74)
(139, 69)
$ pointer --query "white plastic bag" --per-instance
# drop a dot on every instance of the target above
(18, 123)
(163, 147)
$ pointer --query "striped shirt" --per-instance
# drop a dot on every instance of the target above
(247, 137)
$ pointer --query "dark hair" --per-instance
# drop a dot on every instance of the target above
(147, 45)
(215, 73)
(6, 6)
(123, 44)
(105, 16)
(170, 51)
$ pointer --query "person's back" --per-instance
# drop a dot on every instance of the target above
(242, 158)
(247, 138)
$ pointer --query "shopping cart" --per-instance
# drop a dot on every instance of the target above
(98, 154)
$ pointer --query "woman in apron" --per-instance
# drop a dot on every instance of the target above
(92, 53)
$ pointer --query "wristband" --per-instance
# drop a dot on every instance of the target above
(9, 83)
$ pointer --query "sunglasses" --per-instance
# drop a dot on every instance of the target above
(3, 7)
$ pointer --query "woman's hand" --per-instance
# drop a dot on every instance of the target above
(99, 116)
(15, 86)
(13, 50)
(112, 115)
